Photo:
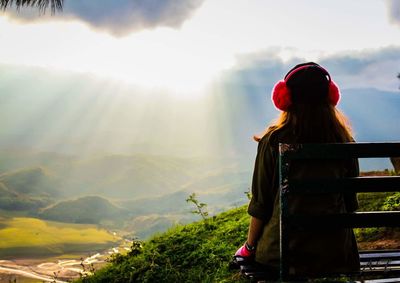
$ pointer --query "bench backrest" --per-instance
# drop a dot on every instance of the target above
(289, 152)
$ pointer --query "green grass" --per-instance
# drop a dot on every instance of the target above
(373, 201)
(376, 202)
(201, 251)
(29, 237)
(197, 252)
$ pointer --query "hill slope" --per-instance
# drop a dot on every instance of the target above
(197, 252)
(200, 252)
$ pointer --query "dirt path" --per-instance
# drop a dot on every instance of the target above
(29, 274)
(61, 271)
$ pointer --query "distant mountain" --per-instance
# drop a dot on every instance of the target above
(5, 192)
(13, 201)
(134, 176)
(88, 210)
(17, 158)
(145, 226)
(27, 189)
(117, 176)
(167, 203)
(374, 114)
(31, 181)
(375, 117)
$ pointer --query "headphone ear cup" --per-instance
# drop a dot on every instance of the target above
(334, 93)
(281, 96)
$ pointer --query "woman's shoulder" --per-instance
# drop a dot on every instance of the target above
(275, 135)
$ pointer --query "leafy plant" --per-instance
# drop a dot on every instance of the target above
(248, 193)
(200, 206)
(392, 202)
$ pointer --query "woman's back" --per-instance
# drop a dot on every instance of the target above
(307, 97)
(313, 251)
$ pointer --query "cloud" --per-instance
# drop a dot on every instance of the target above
(367, 69)
(119, 17)
(376, 68)
(394, 11)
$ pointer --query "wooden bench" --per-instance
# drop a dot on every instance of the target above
(384, 265)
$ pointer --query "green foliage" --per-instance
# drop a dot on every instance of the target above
(372, 201)
(392, 202)
(368, 234)
(190, 253)
(376, 202)
(200, 206)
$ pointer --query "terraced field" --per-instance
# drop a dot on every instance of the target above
(23, 237)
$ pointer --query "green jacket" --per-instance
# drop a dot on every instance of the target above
(311, 252)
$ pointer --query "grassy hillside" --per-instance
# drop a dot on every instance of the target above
(31, 237)
(200, 252)
(197, 252)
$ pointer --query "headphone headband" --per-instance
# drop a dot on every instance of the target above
(306, 66)
(282, 95)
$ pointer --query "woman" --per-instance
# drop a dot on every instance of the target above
(307, 98)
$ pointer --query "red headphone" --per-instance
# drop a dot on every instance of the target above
(281, 93)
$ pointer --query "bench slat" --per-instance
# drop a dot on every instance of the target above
(339, 151)
(387, 280)
(380, 255)
(356, 185)
(349, 220)
(379, 264)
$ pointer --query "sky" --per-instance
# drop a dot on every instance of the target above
(183, 46)
(187, 77)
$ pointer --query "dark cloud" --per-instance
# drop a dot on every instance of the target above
(120, 17)
(394, 11)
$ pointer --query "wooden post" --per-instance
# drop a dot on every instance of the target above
(396, 164)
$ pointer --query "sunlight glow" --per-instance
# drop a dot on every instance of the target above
(184, 61)
(150, 59)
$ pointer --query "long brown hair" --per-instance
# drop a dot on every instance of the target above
(310, 123)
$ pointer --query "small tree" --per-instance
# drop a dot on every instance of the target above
(248, 193)
(42, 5)
(200, 207)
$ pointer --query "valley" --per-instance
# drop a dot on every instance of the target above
(56, 269)
(58, 212)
